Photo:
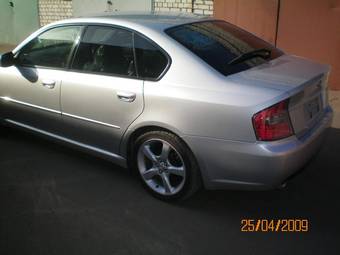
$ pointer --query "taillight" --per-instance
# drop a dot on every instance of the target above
(273, 123)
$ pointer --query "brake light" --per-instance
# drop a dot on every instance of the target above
(273, 123)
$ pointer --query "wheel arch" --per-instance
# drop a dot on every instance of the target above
(133, 133)
(126, 146)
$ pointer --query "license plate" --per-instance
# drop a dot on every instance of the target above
(312, 108)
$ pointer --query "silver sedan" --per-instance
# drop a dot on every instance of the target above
(186, 101)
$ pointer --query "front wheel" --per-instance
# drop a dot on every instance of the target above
(166, 166)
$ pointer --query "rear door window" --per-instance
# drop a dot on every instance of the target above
(218, 43)
(106, 50)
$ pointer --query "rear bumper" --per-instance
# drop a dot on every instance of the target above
(260, 165)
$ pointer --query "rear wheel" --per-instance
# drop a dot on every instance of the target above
(166, 166)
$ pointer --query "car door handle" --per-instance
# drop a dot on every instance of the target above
(126, 96)
(50, 84)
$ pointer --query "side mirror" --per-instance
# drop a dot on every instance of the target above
(7, 59)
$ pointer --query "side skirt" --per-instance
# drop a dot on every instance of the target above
(84, 147)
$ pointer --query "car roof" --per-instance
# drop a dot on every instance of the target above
(151, 24)
(152, 20)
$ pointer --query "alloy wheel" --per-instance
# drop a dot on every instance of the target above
(161, 167)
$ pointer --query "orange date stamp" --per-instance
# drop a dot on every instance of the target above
(277, 225)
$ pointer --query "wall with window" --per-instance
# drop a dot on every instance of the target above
(204, 7)
(88, 7)
(54, 10)
(17, 20)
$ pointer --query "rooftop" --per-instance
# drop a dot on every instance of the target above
(148, 19)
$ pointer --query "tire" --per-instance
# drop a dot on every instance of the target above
(166, 166)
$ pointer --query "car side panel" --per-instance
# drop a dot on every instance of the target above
(93, 114)
(26, 100)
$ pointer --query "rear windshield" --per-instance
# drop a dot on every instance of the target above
(219, 42)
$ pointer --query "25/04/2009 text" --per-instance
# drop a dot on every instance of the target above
(277, 225)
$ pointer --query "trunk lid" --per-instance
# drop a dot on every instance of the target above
(306, 108)
(303, 81)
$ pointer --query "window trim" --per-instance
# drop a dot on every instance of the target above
(74, 49)
(134, 54)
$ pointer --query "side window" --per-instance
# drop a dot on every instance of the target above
(106, 50)
(151, 62)
(50, 49)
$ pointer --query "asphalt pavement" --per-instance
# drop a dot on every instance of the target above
(55, 200)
